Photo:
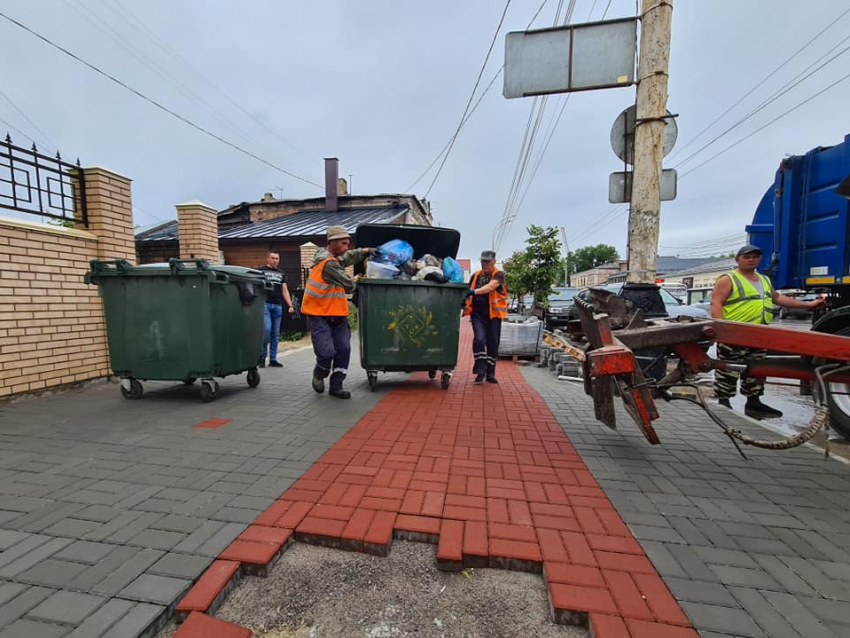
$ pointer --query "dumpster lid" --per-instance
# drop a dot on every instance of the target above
(440, 242)
(174, 266)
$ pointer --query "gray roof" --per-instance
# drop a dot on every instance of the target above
(305, 223)
(670, 264)
(709, 266)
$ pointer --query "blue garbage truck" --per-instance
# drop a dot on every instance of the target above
(802, 225)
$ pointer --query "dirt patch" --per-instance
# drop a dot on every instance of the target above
(317, 592)
(287, 346)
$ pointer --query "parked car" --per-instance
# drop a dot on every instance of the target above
(798, 313)
(700, 298)
(555, 314)
(675, 308)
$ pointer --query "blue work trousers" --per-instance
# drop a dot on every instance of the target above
(485, 344)
(331, 338)
(271, 329)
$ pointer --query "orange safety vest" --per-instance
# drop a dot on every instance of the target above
(498, 300)
(321, 298)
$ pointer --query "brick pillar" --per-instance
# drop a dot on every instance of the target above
(308, 251)
(197, 226)
(109, 210)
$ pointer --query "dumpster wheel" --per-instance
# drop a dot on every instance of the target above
(445, 380)
(209, 390)
(135, 390)
(373, 380)
(253, 377)
(432, 374)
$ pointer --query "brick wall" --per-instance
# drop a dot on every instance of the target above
(198, 230)
(52, 330)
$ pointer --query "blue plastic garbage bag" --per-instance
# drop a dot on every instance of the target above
(452, 270)
(395, 252)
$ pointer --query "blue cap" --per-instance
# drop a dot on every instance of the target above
(749, 248)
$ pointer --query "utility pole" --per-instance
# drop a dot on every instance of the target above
(566, 257)
(645, 212)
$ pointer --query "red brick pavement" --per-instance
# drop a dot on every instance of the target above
(487, 473)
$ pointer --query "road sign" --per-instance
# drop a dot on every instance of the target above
(577, 57)
(620, 186)
(623, 135)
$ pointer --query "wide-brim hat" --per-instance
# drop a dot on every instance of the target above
(337, 232)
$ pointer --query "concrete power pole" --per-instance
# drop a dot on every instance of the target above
(645, 213)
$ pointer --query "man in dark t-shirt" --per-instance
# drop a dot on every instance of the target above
(274, 307)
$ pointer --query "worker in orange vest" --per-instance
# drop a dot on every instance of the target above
(326, 306)
(487, 305)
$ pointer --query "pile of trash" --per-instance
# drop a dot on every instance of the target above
(394, 260)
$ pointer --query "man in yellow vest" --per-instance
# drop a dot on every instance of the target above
(746, 295)
(326, 306)
(487, 304)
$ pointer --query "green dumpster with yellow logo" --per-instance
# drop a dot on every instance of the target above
(409, 326)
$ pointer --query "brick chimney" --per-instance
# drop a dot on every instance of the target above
(331, 177)
(197, 226)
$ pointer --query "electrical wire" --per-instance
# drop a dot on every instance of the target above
(465, 120)
(158, 105)
(471, 96)
(29, 121)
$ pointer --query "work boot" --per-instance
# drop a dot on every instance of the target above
(725, 403)
(492, 380)
(479, 378)
(340, 393)
(336, 386)
(318, 380)
(755, 408)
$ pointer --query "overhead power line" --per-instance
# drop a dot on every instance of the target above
(158, 105)
(471, 97)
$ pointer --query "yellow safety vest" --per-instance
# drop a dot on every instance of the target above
(745, 304)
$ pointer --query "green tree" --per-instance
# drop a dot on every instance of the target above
(517, 275)
(543, 257)
(589, 257)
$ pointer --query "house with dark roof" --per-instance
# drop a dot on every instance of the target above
(666, 269)
(249, 230)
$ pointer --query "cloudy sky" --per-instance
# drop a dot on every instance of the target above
(382, 85)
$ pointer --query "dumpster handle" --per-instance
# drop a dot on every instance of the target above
(177, 265)
(121, 265)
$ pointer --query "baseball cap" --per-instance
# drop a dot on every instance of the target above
(749, 248)
(488, 255)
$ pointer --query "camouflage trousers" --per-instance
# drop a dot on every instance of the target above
(726, 381)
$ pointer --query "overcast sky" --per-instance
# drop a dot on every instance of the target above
(382, 84)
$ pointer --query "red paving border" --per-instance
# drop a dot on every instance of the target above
(487, 473)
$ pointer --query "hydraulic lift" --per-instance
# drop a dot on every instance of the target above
(614, 333)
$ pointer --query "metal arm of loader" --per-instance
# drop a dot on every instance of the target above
(610, 359)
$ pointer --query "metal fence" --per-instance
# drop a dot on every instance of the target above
(41, 185)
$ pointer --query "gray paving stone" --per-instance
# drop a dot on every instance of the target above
(127, 573)
(66, 607)
(112, 527)
(32, 629)
(22, 603)
(52, 573)
(142, 621)
(803, 620)
(99, 513)
(819, 581)
(663, 560)
(691, 563)
(9, 590)
(156, 539)
(220, 540)
(764, 546)
(766, 616)
(180, 566)
(784, 575)
(838, 571)
(9, 538)
(32, 557)
(722, 619)
(85, 552)
(162, 590)
(662, 534)
(698, 591)
(177, 523)
(103, 568)
(831, 611)
(718, 556)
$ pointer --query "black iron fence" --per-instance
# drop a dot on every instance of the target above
(41, 185)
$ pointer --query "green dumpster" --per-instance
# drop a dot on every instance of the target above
(181, 321)
(408, 326)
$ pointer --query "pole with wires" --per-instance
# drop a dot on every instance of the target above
(645, 213)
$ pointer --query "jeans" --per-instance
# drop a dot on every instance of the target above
(331, 338)
(271, 329)
(485, 344)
